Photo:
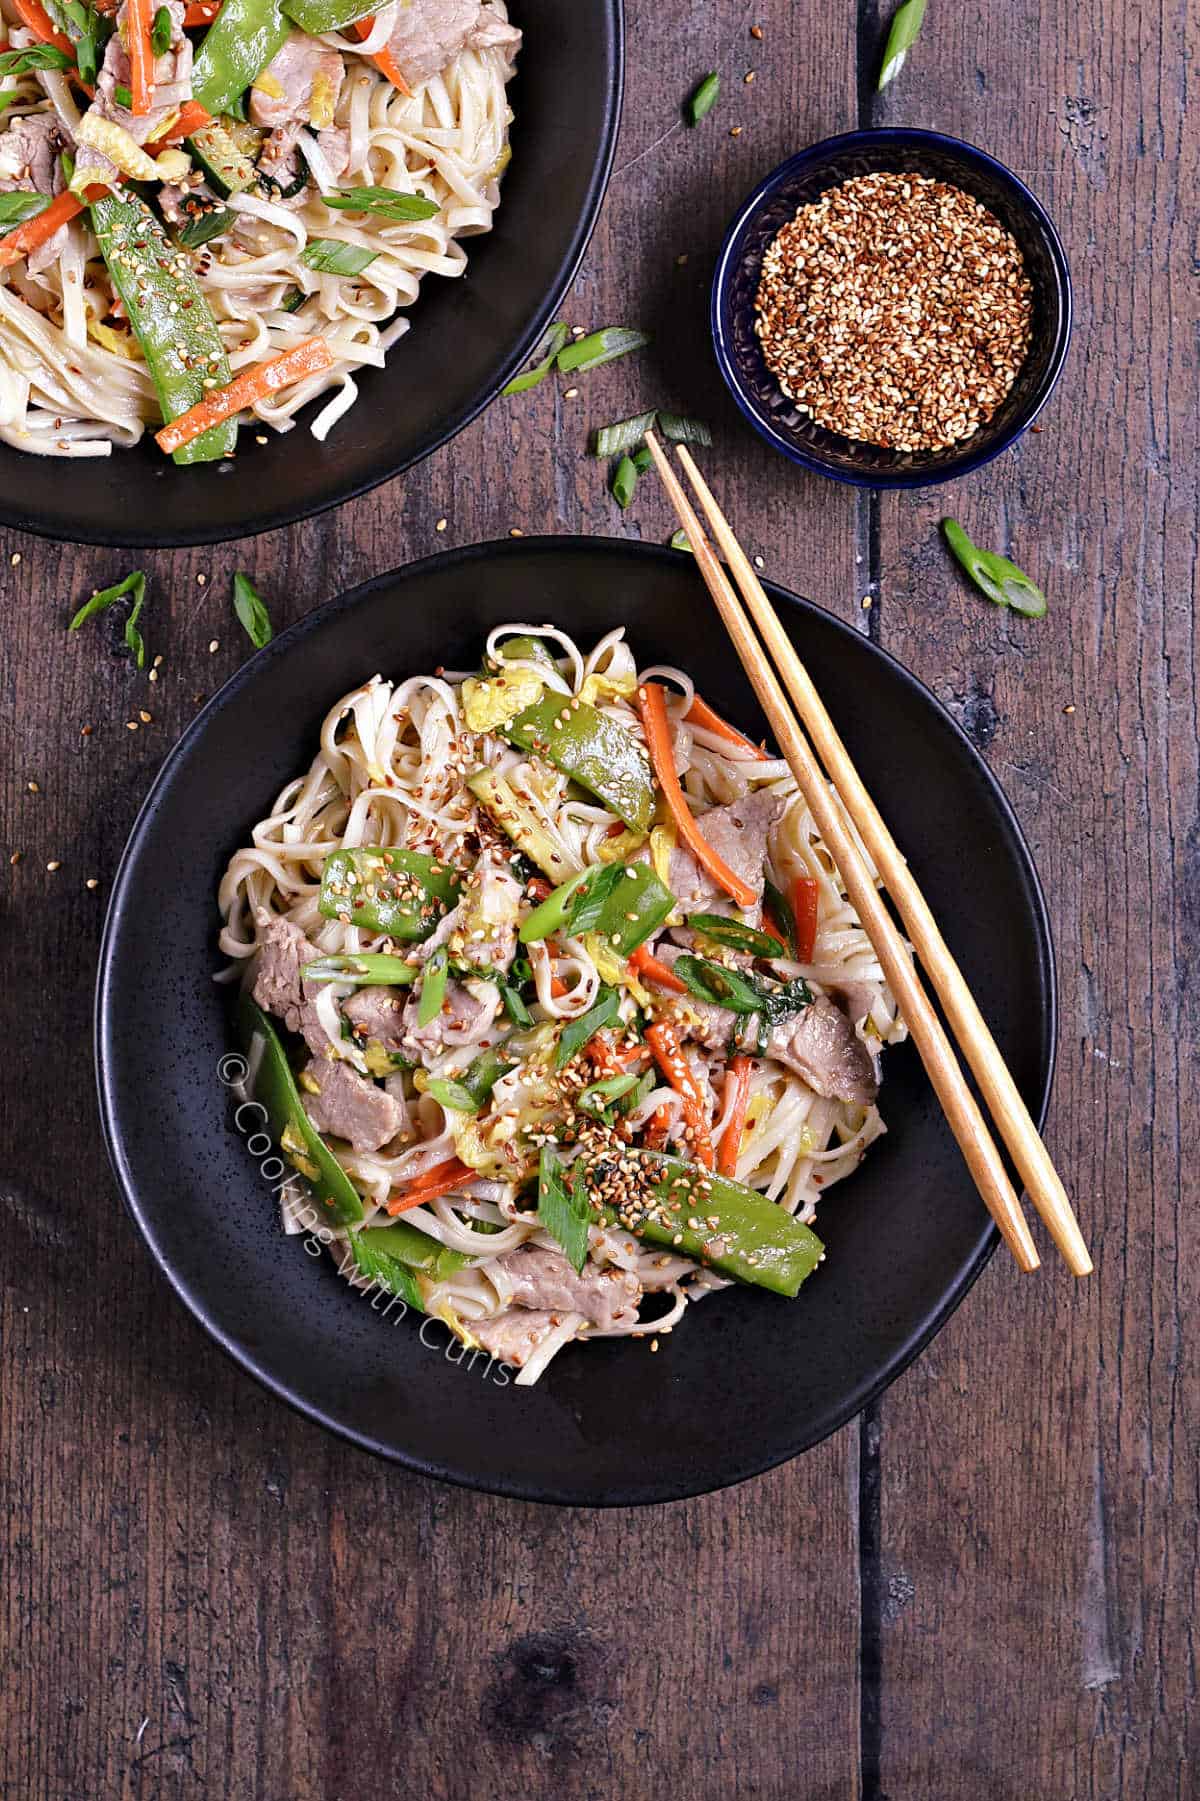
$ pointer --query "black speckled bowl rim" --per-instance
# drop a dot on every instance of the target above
(730, 1461)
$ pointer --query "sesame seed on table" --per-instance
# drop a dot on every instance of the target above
(985, 1586)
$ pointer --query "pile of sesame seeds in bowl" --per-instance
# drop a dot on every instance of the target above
(895, 310)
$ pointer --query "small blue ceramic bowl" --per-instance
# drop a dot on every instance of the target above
(803, 179)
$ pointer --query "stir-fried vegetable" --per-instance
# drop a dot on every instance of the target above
(139, 28)
(806, 896)
(383, 59)
(171, 320)
(310, 357)
(737, 1231)
(652, 702)
(275, 1089)
(384, 203)
(578, 1032)
(595, 750)
(245, 36)
(443, 1178)
(526, 821)
(624, 902)
(470, 1091)
(735, 933)
(16, 245)
(562, 1208)
(433, 987)
(319, 16)
(743, 993)
(365, 969)
(402, 893)
(737, 1080)
(668, 1054)
(700, 713)
(654, 971)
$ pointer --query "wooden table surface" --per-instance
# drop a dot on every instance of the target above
(986, 1586)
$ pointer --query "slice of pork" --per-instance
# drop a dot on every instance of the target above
(29, 163)
(343, 1104)
(297, 67)
(514, 1335)
(428, 34)
(822, 1047)
(738, 833)
(376, 1014)
(278, 986)
(172, 86)
(467, 1015)
(541, 1278)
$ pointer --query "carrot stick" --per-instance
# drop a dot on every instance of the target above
(652, 702)
(649, 966)
(383, 59)
(804, 907)
(309, 357)
(700, 713)
(442, 1179)
(731, 1138)
(675, 1067)
(32, 14)
(138, 26)
(190, 117)
(18, 243)
(658, 1129)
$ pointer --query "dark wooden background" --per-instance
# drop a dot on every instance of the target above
(986, 1587)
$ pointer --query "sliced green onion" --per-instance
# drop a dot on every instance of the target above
(364, 969)
(160, 32)
(433, 988)
(204, 224)
(387, 202)
(134, 584)
(293, 300)
(546, 352)
(251, 610)
(641, 459)
(333, 256)
(619, 439)
(906, 24)
(595, 1097)
(680, 541)
(122, 96)
(702, 99)
(578, 1031)
(562, 1209)
(601, 347)
(34, 56)
(7, 97)
(449, 1093)
(679, 430)
(735, 933)
(373, 1263)
(624, 481)
(994, 575)
(514, 1006)
(17, 207)
(781, 912)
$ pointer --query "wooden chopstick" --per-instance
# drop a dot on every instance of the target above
(965, 1120)
(1000, 1093)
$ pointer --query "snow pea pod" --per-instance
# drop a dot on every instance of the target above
(171, 319)
(295, 1135)
(601, 754)
(317, 16)
(243, 38)
(400, 892)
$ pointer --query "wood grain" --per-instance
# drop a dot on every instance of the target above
(204, 1596)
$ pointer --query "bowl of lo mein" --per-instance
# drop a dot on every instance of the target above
(510, 1084)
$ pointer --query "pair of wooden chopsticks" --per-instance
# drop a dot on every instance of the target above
(991, 1072)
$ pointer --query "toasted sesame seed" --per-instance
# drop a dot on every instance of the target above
(514, 531)
(15, 558)
(441, 525)
(756, 32)
(53, 865)
(214, 644)
(570, 393)
(91, 882)
(33, 788)
(15, 858)
(895, 310)
(201, 579)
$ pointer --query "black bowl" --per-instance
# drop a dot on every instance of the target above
(797, 183)
(748, 1379)
(468, 335)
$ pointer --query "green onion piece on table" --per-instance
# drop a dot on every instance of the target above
(679, 430)
(624, 481)
(545, 354)
(702, 99)
(601, 347)
(622, 437)
(135, 585)
(906, 23)
(994, 575)
(680, 541)
(251, 610)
